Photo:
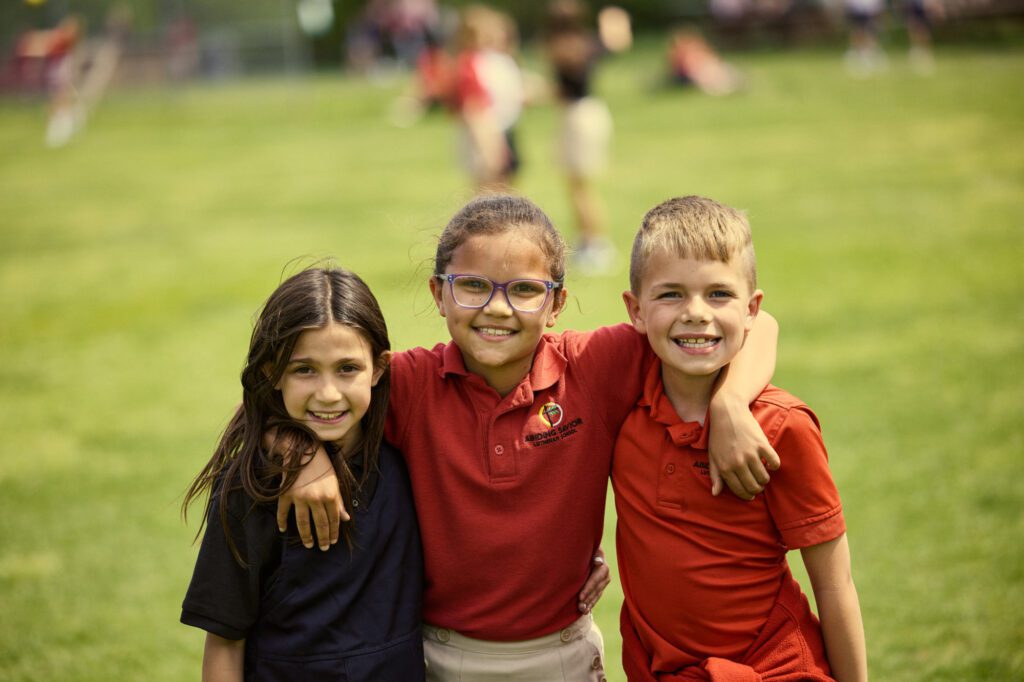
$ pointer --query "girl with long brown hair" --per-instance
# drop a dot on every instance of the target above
(317, 374)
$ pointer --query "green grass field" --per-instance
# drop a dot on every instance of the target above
(887, 215)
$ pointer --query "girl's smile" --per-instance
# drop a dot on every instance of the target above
(327, 417)
(327, 382)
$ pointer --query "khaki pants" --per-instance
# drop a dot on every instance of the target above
(573, 654)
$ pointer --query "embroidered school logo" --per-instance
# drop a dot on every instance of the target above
(556, 426)
(551, 414)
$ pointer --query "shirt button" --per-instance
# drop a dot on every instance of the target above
(671, 468)
(443, 635)
(566, 635)
(355, 503)
(499, 449)
(596, 664)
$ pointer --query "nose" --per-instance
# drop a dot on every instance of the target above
(328, 392)
(696, 310)
(499, 305)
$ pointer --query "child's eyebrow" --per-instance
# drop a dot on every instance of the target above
(311, 361)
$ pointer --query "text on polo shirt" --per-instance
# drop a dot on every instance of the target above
(554, 435)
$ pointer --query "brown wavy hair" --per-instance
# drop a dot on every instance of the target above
(310, 299)
(490, 214)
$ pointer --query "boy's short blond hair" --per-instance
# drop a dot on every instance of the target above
(693, 227)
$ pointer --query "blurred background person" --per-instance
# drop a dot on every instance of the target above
(487, 96)
(390, 34)
(919, 16)
(693, 62)
(864, 55)
(573, 49)
(76, 71)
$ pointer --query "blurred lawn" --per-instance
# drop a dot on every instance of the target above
(887, 215)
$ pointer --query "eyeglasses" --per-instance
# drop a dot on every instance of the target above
(524, 295)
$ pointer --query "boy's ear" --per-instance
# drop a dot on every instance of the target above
(437, 291)
(753, 308)
(382, 363)
(633, 310)
(557, 307)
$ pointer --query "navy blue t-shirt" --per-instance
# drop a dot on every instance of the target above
(344, 614)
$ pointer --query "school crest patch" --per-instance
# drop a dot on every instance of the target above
(551, 414)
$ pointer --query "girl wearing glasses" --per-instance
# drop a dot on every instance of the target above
(508, 433)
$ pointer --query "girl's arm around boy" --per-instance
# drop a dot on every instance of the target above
(740, 453)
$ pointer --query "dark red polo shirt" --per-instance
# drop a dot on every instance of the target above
(510, 491)
(701, 574)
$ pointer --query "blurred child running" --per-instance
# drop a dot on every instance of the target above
(317, 370)
(708, 592)
(508, 433)
(574, 50)
(487, 96)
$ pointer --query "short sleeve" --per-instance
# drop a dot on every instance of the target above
(612, 363)
(408, 371)
(802, 497)
(224, 597)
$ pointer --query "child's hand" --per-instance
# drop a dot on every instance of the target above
(600, 577)
(739, 452)
(315, 492)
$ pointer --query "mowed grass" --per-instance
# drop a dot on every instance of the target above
(887, 215)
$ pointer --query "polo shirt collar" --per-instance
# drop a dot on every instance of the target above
(662, 411)
(452, 362)
(549, 363)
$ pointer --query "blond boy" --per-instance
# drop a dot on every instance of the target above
(708, 592)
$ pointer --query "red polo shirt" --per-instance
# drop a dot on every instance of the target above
(510, 491)
(701, 574)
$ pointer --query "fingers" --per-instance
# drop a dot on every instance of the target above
(770, 457)
(597, 581)
(745, 481)
(283, 507)
(750, 481)
(334, 513)
(716, 479)
(326, 520)
(737, 486)
(760, 474)
(323, 526)
(302, 523)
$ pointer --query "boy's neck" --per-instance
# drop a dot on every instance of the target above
(690, 395)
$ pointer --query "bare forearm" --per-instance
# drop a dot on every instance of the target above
(828, 567)
(752, 368)
(843, 630)
(740, 453)
(223, 659)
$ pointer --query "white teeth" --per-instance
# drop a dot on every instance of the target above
(492, 331)
(326, 416)
(696, 343)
